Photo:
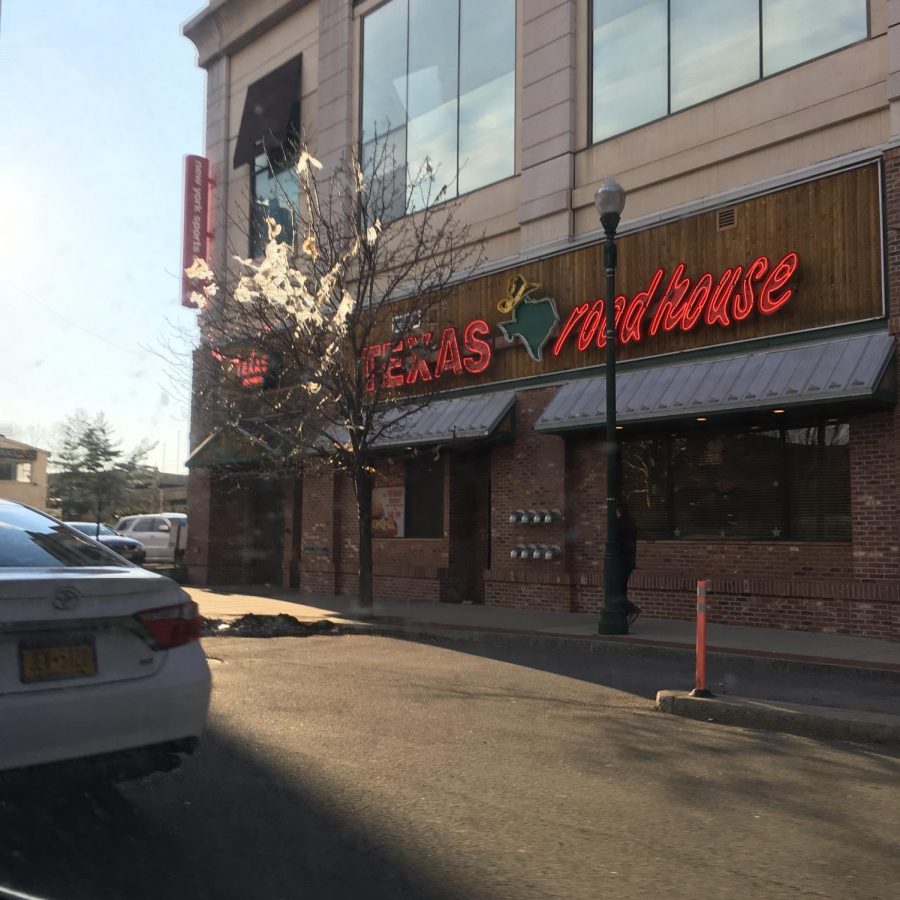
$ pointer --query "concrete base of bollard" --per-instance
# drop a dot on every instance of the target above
(790, 718)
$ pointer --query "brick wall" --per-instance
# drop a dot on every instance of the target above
(529, 473)
(317, 545)
(801, 585)
(468, 526)
(405, 568)
(230, 536)
(873, 462)
(199, 492)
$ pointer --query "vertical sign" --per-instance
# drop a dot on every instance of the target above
(196, 207)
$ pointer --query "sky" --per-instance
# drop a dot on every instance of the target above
(99, 102)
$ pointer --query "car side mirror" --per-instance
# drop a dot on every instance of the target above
(164, 527)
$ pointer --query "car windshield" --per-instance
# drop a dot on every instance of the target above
(92, 529)
(29, 539)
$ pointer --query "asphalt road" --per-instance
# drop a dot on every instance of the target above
(345, 767)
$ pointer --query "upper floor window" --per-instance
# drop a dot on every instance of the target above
(438, 98)
(656, 57)
(274, 194)
(267, 140)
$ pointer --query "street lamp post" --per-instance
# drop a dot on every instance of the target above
(610, 201)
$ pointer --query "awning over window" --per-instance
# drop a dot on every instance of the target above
(267, 112)
(824, 372)
(231, 445)
(446, 421)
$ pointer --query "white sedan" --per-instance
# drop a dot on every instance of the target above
(100, 661)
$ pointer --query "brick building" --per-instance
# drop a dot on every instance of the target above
(759, 280)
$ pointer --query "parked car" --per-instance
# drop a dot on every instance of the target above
(132, 550)
(100, 660)
(164, 535)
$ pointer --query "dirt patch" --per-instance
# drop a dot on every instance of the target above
(282, 625)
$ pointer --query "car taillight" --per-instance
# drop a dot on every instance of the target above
(172, 626)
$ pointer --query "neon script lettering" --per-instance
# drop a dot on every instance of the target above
(683, 304)
(404, 362)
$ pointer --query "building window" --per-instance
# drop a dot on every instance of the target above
(656, 57)
(438, 98)
(791, 483)
(267, 141)
(275, 194)
(424, 512)
(11, 471)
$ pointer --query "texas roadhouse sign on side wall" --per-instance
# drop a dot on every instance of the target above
(683, 304)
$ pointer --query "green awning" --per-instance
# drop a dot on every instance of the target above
(232, 445)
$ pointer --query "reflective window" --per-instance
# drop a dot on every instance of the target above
(28, 538)
(630, 84)
(797, 30)
(384, 70)
(771, 485)
(819, 478)
(712, 53)
(275, 195)
(383, 124)
(655, 57)
(432, 99)
(438, 98)
(729, 486)
(487, 92)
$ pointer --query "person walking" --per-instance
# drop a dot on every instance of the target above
(626, 534)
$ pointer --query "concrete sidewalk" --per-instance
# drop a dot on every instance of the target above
(536, 627)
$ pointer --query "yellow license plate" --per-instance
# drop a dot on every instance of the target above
(49, 663)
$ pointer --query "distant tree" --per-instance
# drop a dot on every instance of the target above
(93, 476)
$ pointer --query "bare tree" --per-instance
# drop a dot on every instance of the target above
(307, 347)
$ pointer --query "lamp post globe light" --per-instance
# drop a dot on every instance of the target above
(609, 199)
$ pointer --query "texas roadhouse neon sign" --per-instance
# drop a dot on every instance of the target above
(683, 305)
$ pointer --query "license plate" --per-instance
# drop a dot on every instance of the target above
(56, 661)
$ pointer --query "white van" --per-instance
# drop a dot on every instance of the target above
(164, 535)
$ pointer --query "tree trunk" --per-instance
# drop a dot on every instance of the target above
(364, 507)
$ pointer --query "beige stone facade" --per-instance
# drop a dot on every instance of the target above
(23, 473)
(818, 115)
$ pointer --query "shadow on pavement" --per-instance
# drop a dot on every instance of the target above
(643, 670)
(223, 826)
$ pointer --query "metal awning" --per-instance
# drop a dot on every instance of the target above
(267, 112)
(445, 421)
(828, 371)
(231, 445)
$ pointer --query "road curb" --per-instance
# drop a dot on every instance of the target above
(630, 648)
(790, 718)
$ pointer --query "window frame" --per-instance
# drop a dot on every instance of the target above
(591, 142)
(277, 162)
(360, 143)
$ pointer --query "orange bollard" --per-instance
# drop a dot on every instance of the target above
(700, 689)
